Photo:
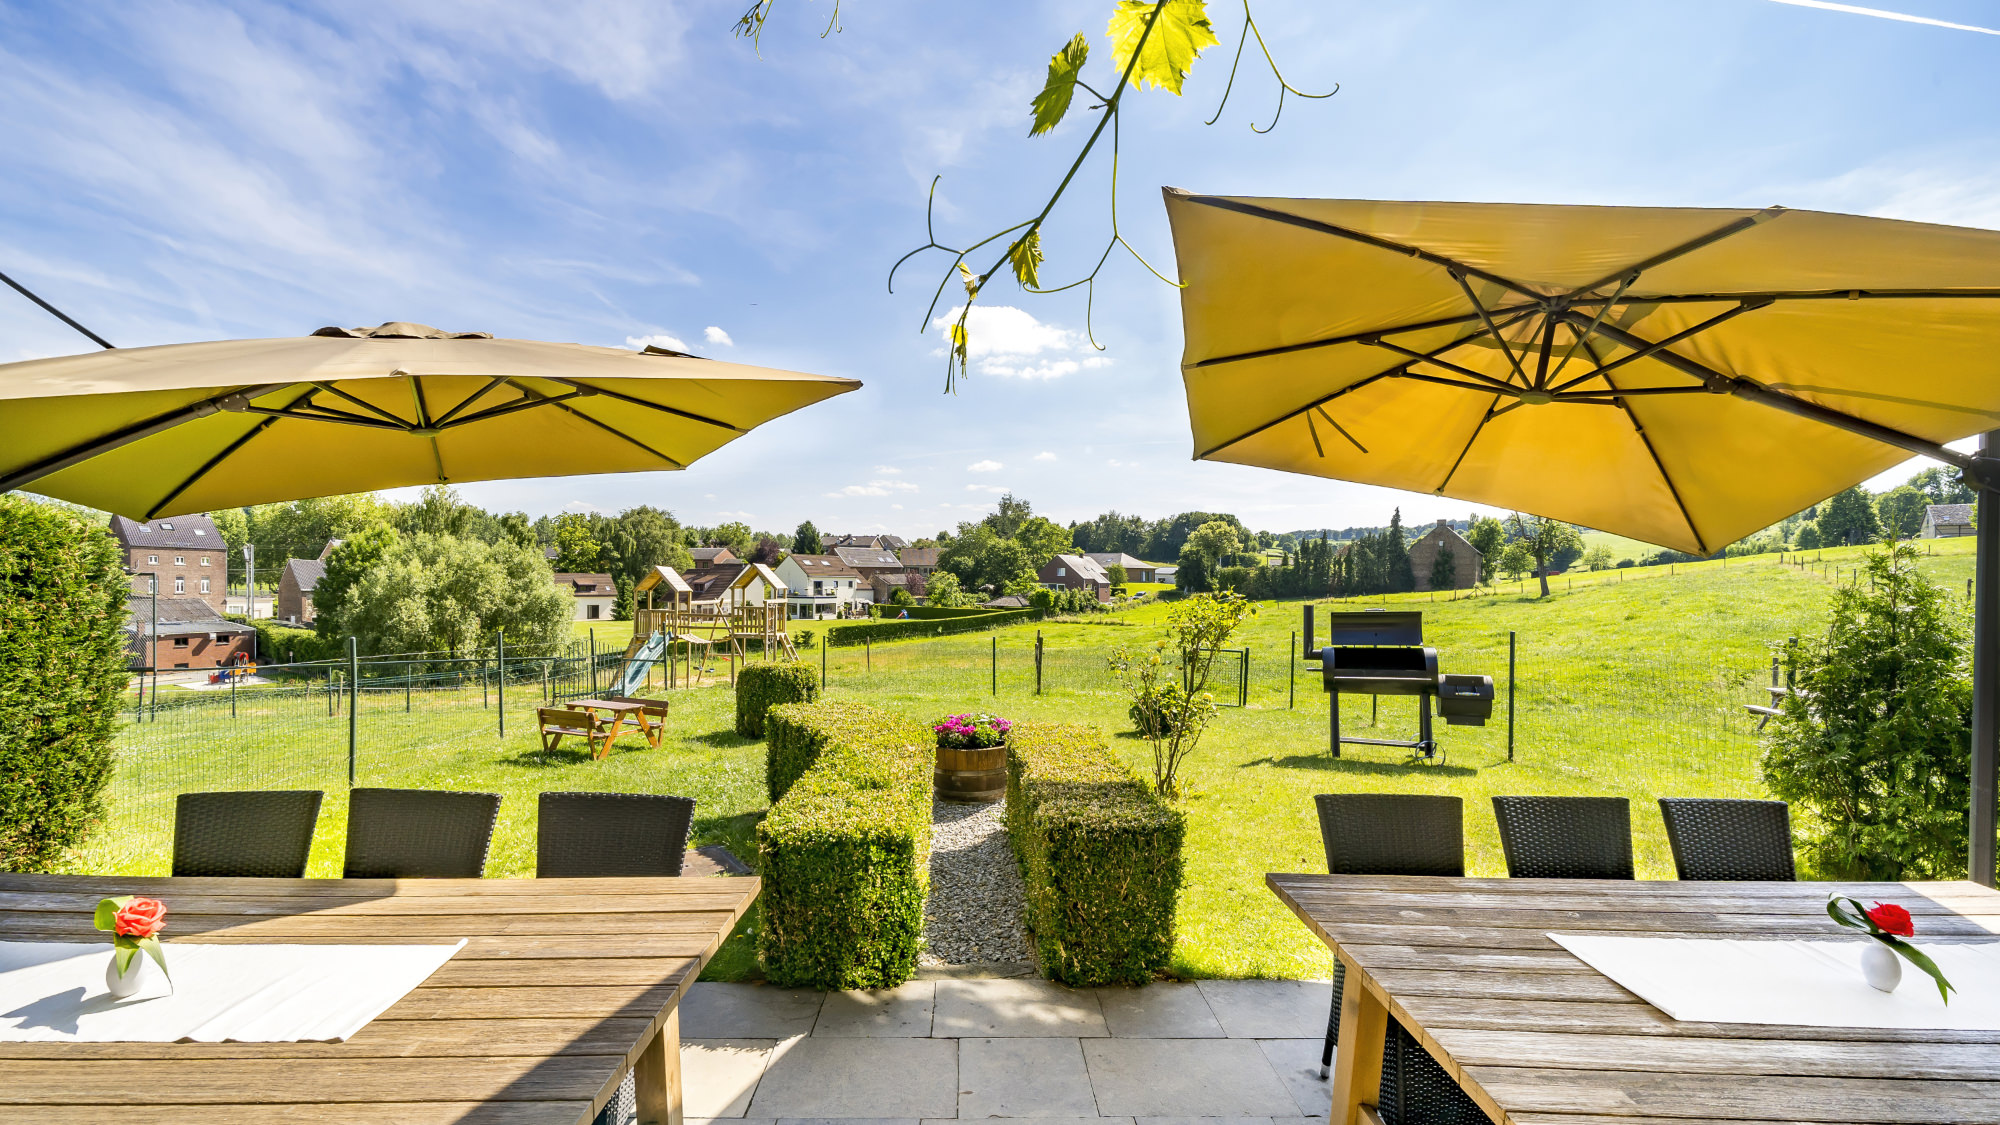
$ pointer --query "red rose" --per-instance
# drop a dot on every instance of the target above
(141, 918)
(1888, 917)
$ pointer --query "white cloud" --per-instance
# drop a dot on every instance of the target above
(1853, 10)
(986, 466)
(658, 340)
(896, 507)
(1045, 455)
(875, 488)
(1010, 343)
(743, 517)
(716, 335)
(887, 470)
(580, 506)
(986, 488)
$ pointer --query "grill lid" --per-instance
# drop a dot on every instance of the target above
(1375, 627)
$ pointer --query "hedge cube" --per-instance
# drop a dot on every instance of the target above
(760, 687)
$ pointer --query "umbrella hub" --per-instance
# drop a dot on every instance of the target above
(1534, 398)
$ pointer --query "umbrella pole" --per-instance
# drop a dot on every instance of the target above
(1985, 678)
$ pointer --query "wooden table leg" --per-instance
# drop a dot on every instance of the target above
(1357, 1067)
(611, 733)
(657, 1077)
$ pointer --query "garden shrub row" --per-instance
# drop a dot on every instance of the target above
(845, 850)
(1100, 857)
(839, 635)
(927, 612)
(760, 687)
(282, 644)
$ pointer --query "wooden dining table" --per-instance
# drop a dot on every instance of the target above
(564, 985)
(1538, 1037)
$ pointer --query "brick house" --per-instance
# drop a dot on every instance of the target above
(191, 635)
(596, 596)
(1076, 572)
(711, 556)
(186, 552)
(1135, 569)
(1947, 521)
(1464, 559)
(296, 584)
(918, 560)
(831, 543)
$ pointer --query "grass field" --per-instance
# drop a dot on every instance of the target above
(1629, 683)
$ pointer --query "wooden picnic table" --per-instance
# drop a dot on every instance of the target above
(616, 712)
(563, 986)
(1538, 1037)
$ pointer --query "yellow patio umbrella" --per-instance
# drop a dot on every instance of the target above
(148, 432)
(1680, 375)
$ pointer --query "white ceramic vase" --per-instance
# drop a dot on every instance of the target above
(1881, 967)
(135, 977)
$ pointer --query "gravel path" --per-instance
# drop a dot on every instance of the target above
(973, 915)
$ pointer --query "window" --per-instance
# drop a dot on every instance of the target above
(180, 585)
(182, 664)
(1060, 572)
(204, 585)
(592, 611)
(204, 560)
(154, 559)
(180, 642)
(200, 531)
(180, 560)
(166, 527)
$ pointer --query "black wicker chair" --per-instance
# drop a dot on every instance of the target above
(1565, 837)
(1397, 834)
(248, 834)
(1729, 839)
(587, 835)
(418, 833)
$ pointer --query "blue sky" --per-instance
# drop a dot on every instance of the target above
(184, 171)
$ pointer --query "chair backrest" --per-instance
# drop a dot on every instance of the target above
(1565, 837)
(1729, 838)
(1392, 834)
(250, 834)
(418, 833)
(593, 835)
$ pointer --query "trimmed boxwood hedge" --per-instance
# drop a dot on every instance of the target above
(1100, 857)
(845, 850)
(760, 687)
(839, 635)
(926, 612)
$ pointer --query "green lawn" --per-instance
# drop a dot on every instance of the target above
(1629, 683)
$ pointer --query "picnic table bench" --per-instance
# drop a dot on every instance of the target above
(580, 718)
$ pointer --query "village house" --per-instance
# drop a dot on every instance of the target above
(828, 543)
(884, 586)
(190, 635)
(870, 561)
(1464, 559)
(918, 560)
(596, 595)
(1076, 572)
(1947, 521)
(296, 584)
(1135, 570)
(824, 586)
(185, 552)
(711, 556)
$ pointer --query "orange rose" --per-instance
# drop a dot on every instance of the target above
(141, 918)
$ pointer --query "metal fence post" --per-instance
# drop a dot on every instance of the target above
(1243, 680)
(232, 694)
(500, 658)
(406, 687)
(996, 664)
(867, 656)
(823, 646)
(1292, 673)
(1510, 695)
(1038, 662)
(353, 712)
(593, 662)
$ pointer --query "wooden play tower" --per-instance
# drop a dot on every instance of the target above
(750, 613)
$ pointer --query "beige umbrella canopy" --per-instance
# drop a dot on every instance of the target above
(148, 432)
(1683, 376)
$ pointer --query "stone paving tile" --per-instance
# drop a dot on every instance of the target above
(1320, 1120)
(719, 1075)
(874, 1077)
(714, 1010)
(1021, 1077)
(729, 1121)
(1297, 1064)
(1203, 1120)
(1038, 1120)
(1010, 1008)
(847, 1121)
(903, 1011)
(1169, 1010)
(1270, 1009)
(1184, 1077)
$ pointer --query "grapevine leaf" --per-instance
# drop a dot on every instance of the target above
(970, 282)
(1179, 34)
(1053, 101)
(959, 342)
(1026, 256)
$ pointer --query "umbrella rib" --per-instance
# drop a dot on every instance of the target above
(1650, 349)
(1804, 295)
(1685, 248)
(1321, 410)
(610, 429)
(1476, 431)
(1432, 358)
(312, 412)
(138, 431)
(228, 451)
(588, 388)
(525, 402)
(1314, 432)
(1486, 318)
(1444, 382)
(1291, 414)
(385, 415)
(448, 415)
(1515, 311)
(1404, 249)
(1646, 439)
(1602, 311)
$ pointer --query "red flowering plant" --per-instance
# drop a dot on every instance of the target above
(1889, 924)
(135, 924)
(971, 732)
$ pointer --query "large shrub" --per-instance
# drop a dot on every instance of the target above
(845, 851)
(1100, 857)
(760, 687)
(1871, 747)
(62, 666)
(430, 593)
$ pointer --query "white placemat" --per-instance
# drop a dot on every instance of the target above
(54, 992)
(1795, 983)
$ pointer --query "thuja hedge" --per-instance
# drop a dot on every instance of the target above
(62, 667)
(839, 635)
(760, 687)
(845, 851)
(1100, 857)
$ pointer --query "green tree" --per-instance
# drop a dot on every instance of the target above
(944, 591)
(1116, 574)
(1213, 542)
(806, 541)
(516, 527)
(62, 669)
(577, 548)
(1848, 518)
(1871, 746)
(300, 529)
(438, 512)
(347, 565)
(1191, 573)
(734, 535)
(1808, 537)
(1544, 539)
(1942, 486)
(1901, 511)
(1488, 536)
(234, 526)
(1444, 569)
(1598, 558)
(1042, 539)
(433, 593)
(1515, 560)
(635, 541)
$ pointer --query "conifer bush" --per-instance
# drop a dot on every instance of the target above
(62, 666)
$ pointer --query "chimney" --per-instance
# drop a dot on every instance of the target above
(1444, 525)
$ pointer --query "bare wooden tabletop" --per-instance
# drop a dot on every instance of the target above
(1538, 1037)
(563, 985)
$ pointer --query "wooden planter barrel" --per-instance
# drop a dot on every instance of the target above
(972, 775)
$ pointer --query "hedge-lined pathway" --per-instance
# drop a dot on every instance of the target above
(972, 916)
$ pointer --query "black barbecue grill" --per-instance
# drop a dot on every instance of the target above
(1382, 652)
